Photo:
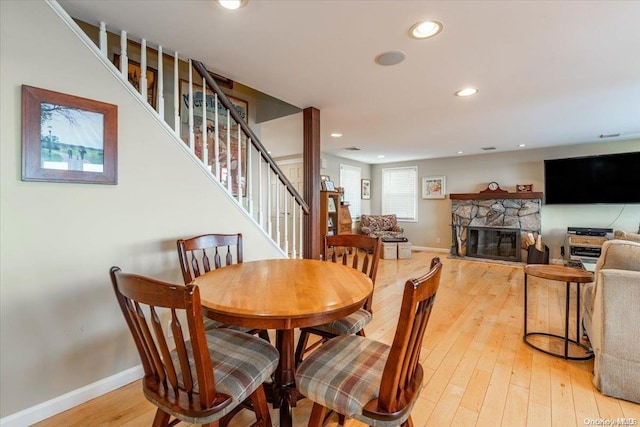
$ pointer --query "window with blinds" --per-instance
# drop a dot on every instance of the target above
(350, 181)
(400, 192)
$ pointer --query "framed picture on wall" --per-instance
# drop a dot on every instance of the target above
(228, 128)
(134, 72)
(365, 189)
(66, 138)
(433, 187)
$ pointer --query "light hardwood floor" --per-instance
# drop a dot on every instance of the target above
(478, 371)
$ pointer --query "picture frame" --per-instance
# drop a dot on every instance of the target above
(328, 186)
(433, 187)
(324, 178)
(133, 75)
(365, 189)
(66, 138)
(331, 205)
(242, 107)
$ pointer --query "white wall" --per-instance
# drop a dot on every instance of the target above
(471, 174)
(61, 327)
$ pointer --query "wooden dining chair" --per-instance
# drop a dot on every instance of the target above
(195, 376)
(201, 254)
(367, 380)
(362, 253)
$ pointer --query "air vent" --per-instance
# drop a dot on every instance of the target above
(611, 135)
(488, 148)
(353, 148)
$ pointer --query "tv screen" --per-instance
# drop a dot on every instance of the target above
(611, 178)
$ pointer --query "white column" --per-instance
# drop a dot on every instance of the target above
(143, 69)
(191, 105)
(176, 96)
(160, 105)
(205, 148)
(103, 39)
(124, 61)
(216, 137)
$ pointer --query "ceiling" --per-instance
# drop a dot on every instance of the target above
(549, 73)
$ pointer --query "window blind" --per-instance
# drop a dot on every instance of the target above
(399, 192)
(350, 181)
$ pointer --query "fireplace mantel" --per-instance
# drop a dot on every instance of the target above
(496, 195)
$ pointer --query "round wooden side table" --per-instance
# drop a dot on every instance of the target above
(568, 275)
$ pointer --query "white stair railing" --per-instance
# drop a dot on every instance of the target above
(219, 137)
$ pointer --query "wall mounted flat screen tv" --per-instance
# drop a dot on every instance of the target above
(610, 178)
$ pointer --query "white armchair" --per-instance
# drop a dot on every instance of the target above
(611, 317)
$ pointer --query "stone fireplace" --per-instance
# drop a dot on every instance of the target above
(511, 214)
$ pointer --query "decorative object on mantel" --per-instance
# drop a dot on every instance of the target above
(493, 187)
(524, 188)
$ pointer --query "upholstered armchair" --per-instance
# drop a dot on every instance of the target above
(385, 226)
(611, 315)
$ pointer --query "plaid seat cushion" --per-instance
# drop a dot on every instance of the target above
(348, 325)
(241, 362)
(344, 374)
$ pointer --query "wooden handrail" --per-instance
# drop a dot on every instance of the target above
(222, 97)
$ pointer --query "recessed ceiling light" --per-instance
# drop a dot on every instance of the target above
(390, 58)
(466, 91)
(522, 145)
(425, 29)
(233, 4)
(381, 157)
(460, 152)
(336, 134)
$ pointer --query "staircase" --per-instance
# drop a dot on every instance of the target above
(214, 129)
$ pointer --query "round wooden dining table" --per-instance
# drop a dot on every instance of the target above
(283, 294)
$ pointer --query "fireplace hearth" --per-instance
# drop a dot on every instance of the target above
(493, 243)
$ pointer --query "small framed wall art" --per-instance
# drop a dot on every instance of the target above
(433, 187)
(66, 138)
(366, 189)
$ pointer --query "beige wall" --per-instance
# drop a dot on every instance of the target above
(61, 328)
(471, 174)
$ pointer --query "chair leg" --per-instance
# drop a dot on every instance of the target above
(318, 414)
(161, 419)
(264, 334)
(302, 345)
(259, 402)
(341, 419)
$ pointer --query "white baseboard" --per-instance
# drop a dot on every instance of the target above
(428, 249)
(76, 397)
